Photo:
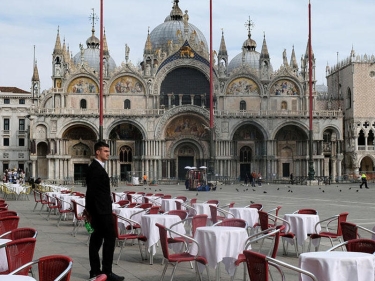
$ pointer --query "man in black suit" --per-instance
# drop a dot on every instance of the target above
(99, 207)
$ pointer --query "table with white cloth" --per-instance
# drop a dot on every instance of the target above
(128, 213)
(151, 231)
(67, 198)
(170, 204)
(203, 208)
(136, 198)
(302, 225)
(154, 200)
(338, 266)
(220, 244)
(3, 256)
(250, 215)
(16, 278)
(15, 187)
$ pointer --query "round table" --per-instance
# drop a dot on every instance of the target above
(302, 225)
(250, 215)
(338, 266)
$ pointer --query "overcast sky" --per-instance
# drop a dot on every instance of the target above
(337, 25)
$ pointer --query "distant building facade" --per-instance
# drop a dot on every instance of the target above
(157, 114)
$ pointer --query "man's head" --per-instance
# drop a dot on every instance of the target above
(101, 151)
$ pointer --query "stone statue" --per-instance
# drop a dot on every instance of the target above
(127, 51)
(285, 60)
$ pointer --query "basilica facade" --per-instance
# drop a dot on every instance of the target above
(157, 114)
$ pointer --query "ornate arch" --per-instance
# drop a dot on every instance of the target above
(193, 140)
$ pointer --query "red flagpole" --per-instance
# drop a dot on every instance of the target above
(101, 75)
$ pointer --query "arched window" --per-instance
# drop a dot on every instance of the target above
(126, 154)
(361, 138)
(245, 154)
(127, 104)
(370, 138)
(349, 99)
(284, 105)
(83, 104)
(242, 105)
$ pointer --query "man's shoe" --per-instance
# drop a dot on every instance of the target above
(114, 277)
(367, 187)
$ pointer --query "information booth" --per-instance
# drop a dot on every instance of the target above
(196, 179)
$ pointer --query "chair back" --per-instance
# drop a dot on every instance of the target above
(4, 205)
(349, 230)
(60, 206)
(178, 205)
(36, 196)
(361, 245)
(78, 216)
(8, 213)
(20, 233)
(231, 204)
(20, 252)
(8, 223)
(145, 205)
(213, 211)
(167, 196)
(256, 206)
(307, 211)
(3, 209)
(341, 218)
(183, 198)
(122, 203)
(198, 221)
(163, 240)
(54, 266)
(263, 220)
(131, 205)
(212, 201)
(257, 266)
(154, 210)
(233, 222)
(193, 201)
(181, 213)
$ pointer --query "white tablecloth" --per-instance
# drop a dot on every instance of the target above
(250, 215)
(120, 196)
(3, 256)
(15, 187)
(154, 200)
(127, 213)
(169, 204)
(302, 225)
(203, 208)
(151, 231)
(67, 198)
(338, 266)
(220, 243)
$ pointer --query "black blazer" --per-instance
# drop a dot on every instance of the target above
(98, 194)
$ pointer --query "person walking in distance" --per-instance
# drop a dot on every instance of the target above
(99, 208)
(364, 181)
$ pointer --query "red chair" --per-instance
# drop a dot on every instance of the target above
(198, 221)
(167, 196)
(3, 209)
(350, 230)
(193, 201)
(233, 222)
(19, 252)
(176, 258)
(127, 236)
(79, 218)
(306, 211)
(123, 203)
(145, 206)
(8, 214)
(213, 201)
(154, 210)
(131, 205)
(51, 203)
(357, 245)
(258, 266)
(255, 238)
(4, 205)
(215, 218)
(183, 198)
(330, 233)
(256, 206)
(55, 267)
(8, 224)
(265, 223)
(43, 200)
(181, 213)
(62, 211)
(20, 233)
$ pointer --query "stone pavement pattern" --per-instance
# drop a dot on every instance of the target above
(328, 200)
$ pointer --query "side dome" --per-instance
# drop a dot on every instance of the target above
(247, 58)
(91, 55)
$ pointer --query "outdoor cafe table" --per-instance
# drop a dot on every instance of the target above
(3, 256)
(170, 204)
(128, 213)
(250, 215)
(220, 244)
(154, 200)
(338, 266)
(203, 208)
(151, 231)
(302, 225)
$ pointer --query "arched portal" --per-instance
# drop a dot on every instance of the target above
(291, 151)
(367, 165)
(186, 154)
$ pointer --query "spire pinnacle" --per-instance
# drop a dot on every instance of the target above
(249, 25)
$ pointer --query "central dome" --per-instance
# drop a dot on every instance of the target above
(173, 30)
